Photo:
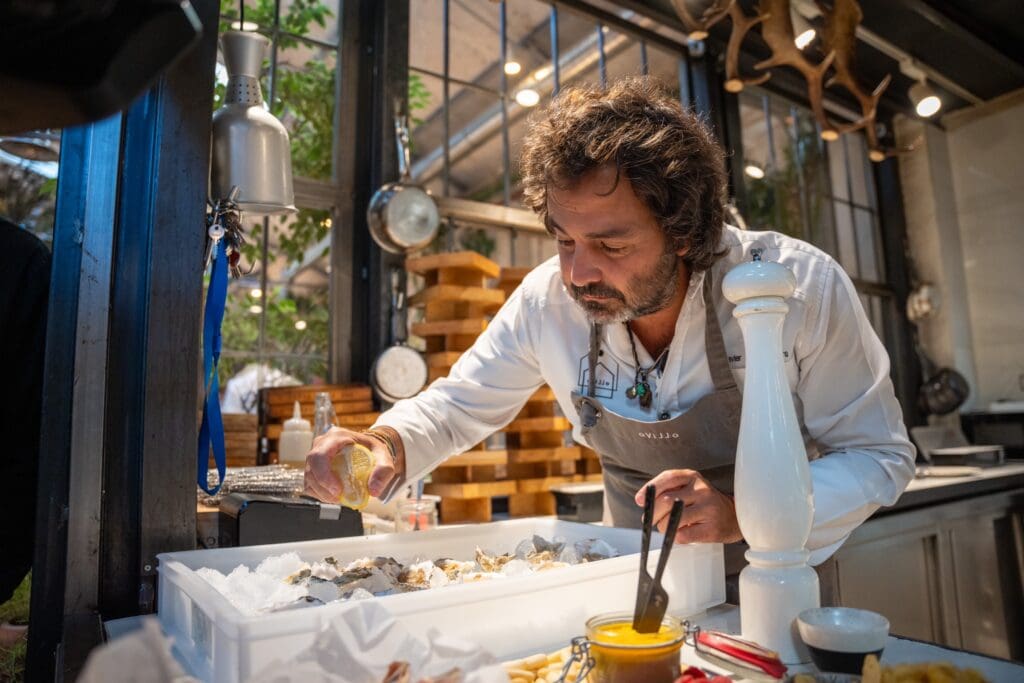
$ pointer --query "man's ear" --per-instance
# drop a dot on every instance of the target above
(683, 250)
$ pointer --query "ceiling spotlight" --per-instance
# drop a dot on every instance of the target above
(528, 97)
(300, 325)
(542, 73)
(512, 67)
(805, 38)
(255, 292)
(255, 309)
(926, 102)
(244, 26)
(754, 171)
(802, 28)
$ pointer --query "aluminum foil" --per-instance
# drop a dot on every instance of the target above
(269, 479)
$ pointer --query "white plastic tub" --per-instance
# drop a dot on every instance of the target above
(506, 616)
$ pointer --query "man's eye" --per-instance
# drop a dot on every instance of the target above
(566, 244)
(612, 250)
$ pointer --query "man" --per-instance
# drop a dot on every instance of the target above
(629, 327)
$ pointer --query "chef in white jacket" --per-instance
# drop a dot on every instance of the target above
(629, 328)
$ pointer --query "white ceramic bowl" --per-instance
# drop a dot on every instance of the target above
(840, 637)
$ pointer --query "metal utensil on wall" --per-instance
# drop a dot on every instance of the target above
(402, 216)
(399, 371)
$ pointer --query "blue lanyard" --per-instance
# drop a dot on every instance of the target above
(211, 432)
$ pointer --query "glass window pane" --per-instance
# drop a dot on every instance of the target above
(477, 166)
(577, 50)
(812, 167)
(304, 96)
(837, 168)
(622, 55)
(529, 44)
(857, 154)
(426, 41)
(474, 46)
(867, 246)
(316, 20)
(663, 66)
(426, 116)
(846, 239)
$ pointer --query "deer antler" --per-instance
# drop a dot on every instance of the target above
(741, 25)
(697, 27)
(777, 31)
(841, 39)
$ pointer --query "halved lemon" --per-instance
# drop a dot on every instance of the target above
(353, 466)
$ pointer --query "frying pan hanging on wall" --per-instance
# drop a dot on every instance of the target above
(402, 216)
(399, 371)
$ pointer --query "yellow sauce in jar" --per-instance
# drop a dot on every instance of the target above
(621, 655)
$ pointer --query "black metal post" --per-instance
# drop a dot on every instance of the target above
(88, 165)
(374, 76)
(906, 372)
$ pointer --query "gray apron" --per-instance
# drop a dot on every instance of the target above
(704, 438)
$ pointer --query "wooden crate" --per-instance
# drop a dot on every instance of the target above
(457, 303)
(241, 440)
(353, 407)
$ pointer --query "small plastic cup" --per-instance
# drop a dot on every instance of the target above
(621, 655)
(411, 511)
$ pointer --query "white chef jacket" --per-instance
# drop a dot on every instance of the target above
(838, 372)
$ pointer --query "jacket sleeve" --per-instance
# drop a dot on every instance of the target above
(850, 409)
(484, 391)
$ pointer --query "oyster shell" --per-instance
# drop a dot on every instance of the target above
(492, 563)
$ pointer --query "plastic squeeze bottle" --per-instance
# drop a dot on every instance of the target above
(296, 439)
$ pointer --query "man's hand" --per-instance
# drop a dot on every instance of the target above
(323, 484)
(709, 515)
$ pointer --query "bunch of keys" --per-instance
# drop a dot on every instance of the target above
(225, 223)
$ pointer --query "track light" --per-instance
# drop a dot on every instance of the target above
(512, 67)
(802, 29)
(754, 171)
(926, 102)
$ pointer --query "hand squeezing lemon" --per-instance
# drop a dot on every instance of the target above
(353, 465)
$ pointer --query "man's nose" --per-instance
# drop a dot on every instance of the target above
(584, 268)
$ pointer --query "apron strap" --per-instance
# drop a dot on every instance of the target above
(593, 353)
(714, 344)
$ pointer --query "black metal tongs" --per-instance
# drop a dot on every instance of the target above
(651, 597)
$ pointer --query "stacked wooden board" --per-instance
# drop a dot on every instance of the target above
(241, 440)
(537, 453)
(456, 302)
(353, 407)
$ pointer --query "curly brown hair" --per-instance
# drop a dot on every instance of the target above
(669, 155)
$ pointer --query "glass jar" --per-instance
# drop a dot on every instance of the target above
(416, 515)
(621, 655)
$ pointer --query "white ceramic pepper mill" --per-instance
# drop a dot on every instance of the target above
(774, 505)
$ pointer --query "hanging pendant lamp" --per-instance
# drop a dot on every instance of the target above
(251, 150)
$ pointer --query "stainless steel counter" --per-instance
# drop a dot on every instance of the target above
(931, 490)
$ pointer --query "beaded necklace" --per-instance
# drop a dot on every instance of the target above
(641, 389)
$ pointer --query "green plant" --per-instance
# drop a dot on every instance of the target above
(16, 609)
(12, 662)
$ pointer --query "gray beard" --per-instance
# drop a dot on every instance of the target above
(649, 294)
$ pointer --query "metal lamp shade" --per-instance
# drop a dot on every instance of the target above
(251, 150)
